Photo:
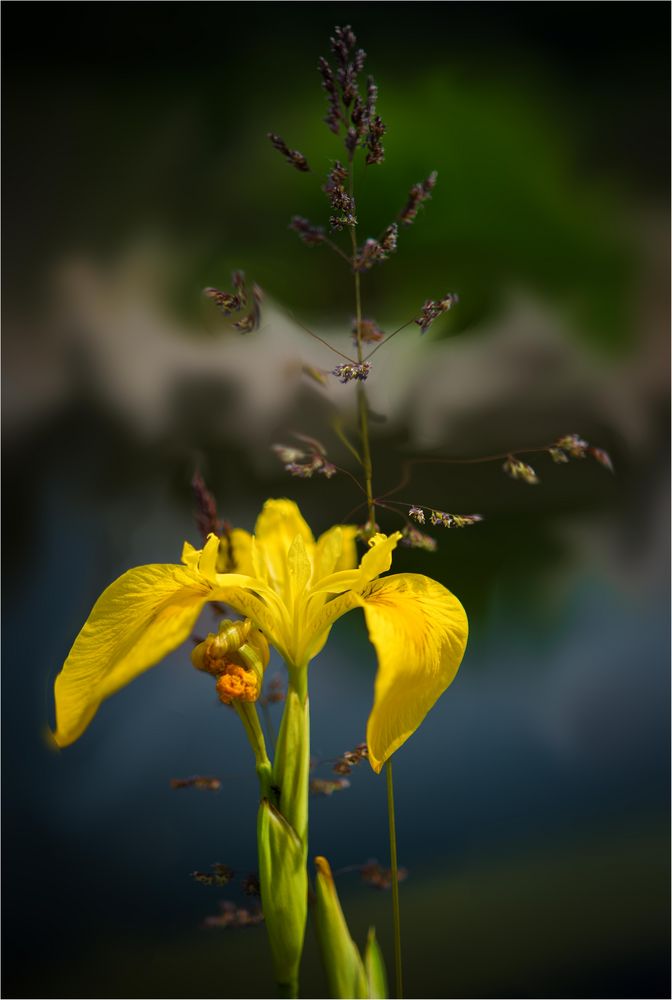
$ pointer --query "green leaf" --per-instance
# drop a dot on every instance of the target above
(283, 882)
(291, 766)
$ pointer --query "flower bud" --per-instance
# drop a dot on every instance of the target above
(375, 968)
(237, 656)
(342, 962)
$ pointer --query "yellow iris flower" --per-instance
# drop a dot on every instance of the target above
(291, 587)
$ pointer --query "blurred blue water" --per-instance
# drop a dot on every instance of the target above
(534, 742)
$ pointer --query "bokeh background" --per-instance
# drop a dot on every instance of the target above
(533, 803)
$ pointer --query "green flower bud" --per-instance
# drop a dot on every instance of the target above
(342, 962)
(374, 964)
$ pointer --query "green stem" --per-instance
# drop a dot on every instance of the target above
(366, 453)
(395, 881)
(270, 729)
(342, 436)
(282, 835)
(247, 713)
(367, 466)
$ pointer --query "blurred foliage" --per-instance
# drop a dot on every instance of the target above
(171, 138)
(510, 209)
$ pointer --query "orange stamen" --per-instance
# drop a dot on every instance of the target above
(237, 684)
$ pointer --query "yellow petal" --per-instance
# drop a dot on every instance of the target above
(377, 560)
(233, 554)
(270, 617)
(240, 551)
(190, 555)
(207, 563)
(277, 526)
(140, 618)
(335, 551)
(419, 630)
(299, 565)
(322, 618)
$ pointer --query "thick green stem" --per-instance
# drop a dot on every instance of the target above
(282, 835)
(291, 767)
(396, 915)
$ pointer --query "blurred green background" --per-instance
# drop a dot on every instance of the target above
(534, 802)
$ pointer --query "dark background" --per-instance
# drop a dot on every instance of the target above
(533, 803)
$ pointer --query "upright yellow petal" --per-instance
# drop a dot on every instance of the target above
(207, 563)
(233, 553)
(335, 551)
(299, 566)
(322, 616)
(238, 589)
(277, 526)
(376, 560)
(335, 557)
(240, 552)
(419, 630)
(140, 618)
(190, 555)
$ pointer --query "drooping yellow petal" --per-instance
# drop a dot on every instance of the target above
(141, 617)
(419, 630)
(347, 584)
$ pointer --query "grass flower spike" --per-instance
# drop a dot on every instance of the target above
(289, 588)
(292, 589)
